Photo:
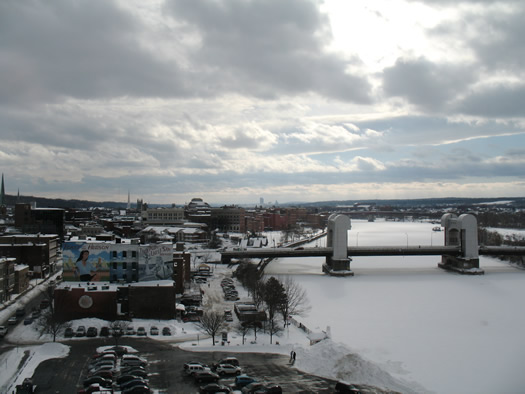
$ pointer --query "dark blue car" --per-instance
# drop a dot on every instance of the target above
(243, 380)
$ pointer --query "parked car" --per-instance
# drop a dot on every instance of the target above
(102, 363)
(3, 331)
(107, 374)
(104, 356)
(252, 387)
(133, 382)
(192, 369)
(166, 331)
(28, 320)
(97, 379)
(130, 331)
(92, 332)
(134, 370)
(101, 368)
(228, 369)
(243, 380)
(12, 321)
(205, 376)
(20, 312)
(104, 331)
(132, 357)
(139, 389)
(35, 314)
(128, 361)
(212, 388)
(127, 377)
(69, 333)
(228, 360)
(81, 331)
(141, 331)
(154, 330)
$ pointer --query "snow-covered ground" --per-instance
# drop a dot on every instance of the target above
(399, 323)
(447, 332)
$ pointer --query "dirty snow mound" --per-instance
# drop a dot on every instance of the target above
(336, 361)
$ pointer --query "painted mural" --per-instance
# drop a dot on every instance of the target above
(94, 262)
(86, 262)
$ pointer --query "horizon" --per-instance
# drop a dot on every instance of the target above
(272, 203)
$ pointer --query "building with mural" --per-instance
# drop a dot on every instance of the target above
(91, 261)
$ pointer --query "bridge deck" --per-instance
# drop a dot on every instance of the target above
(352, 251)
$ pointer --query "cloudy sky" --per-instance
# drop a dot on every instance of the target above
(233, 100)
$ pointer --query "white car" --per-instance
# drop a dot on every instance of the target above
(3, 331)
(228, 369)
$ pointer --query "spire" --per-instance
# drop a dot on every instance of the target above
(129, 202)
(2, 192)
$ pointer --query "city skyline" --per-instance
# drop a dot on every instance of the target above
(236, 100)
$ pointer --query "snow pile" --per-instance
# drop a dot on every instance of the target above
(336, 361)
(21, 363)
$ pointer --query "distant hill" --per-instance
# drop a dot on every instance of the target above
(518, 202)
(42, 202)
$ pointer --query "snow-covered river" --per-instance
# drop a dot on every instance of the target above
(448, 332)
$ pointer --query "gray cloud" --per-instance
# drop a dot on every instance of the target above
(51, 50)
(266, 48)
(495, 101)
(424, 84)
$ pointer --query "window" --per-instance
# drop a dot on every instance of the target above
(124, 265)
(115, 265)
(124, 253)
(114, 254)
(134, 253)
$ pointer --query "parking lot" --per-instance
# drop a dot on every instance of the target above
(165, 368)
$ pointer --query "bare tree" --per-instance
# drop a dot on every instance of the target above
(48, 323)
(296, 302)
(242, 329)
(118, 328)
(211, 322)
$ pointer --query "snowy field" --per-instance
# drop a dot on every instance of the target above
(400, 323)
(444, 332)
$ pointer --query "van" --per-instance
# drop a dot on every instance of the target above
(20, 312)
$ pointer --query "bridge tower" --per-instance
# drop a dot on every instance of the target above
(461, 231)
(338, 264)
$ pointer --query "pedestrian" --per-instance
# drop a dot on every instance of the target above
(293, 357)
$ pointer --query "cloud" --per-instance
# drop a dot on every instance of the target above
(88, 50)
(424, 84)
(267, 48)
(499, 101)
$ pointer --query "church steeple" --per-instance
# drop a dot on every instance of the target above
(2, 192)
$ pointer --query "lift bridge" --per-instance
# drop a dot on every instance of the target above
(460, 253)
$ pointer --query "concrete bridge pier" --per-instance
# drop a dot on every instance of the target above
(338, 264)
(461, 231)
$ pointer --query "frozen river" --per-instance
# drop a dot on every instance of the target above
(448, 332)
